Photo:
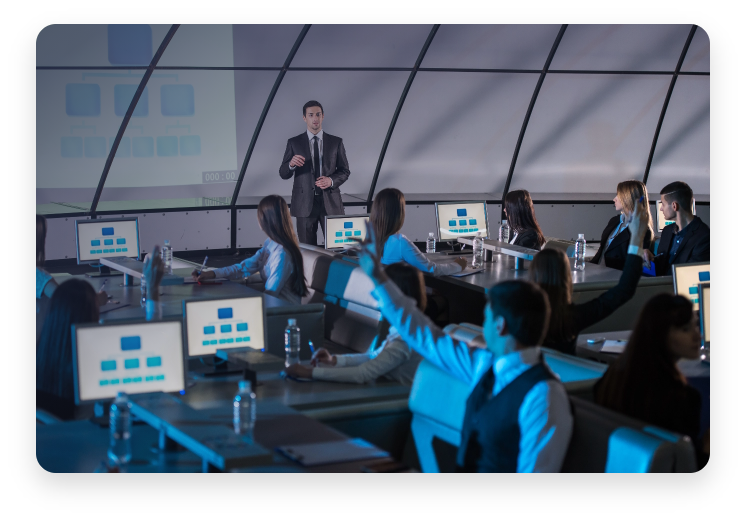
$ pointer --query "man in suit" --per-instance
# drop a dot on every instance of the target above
(319, 163)
(687, 239)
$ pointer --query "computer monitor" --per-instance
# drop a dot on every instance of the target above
(134, 356)
(662, 222)
(340, 231)
(687, 277)
(99, 238)
(704, 313)
(461, 219)
(224, 324)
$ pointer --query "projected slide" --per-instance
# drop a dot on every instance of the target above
(134, 358)
(107, 239)
(461, 220)
(224, 324)
(688, 279)
(341, 231)
(182, 131)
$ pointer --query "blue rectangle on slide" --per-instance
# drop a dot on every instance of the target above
(109, 365)
(153, 361)
(358, 232)
(242, 327)
(348, 225)
(225, 313)
(451, 223)
(95, 147)
(462, 222)
(348, 234)
(167, 146)
(338, 234)
(190, 145)
(108, 242)
(694, 290)
(209, 330)
(132, 363)
(82, 99)
(107, 231)
(124, 149)
(142, 147)
(130, 44)
(121, 241)
(226, 328)
(71, 146)
(472, 222)
(130, 343)
(461, 212)
(123, 95)
(177, 100)
(96, 243)
(704, 276)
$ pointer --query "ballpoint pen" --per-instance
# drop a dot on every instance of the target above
(203, 266)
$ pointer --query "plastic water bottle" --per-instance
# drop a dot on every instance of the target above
(167, 252)
(292, 343)
(120, 429)
(244, 410)
(430, 243)
(580, 252)
(478, 246)
(504, 232)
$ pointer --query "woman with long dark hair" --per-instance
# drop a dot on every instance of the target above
(279, 261)
(519, 209)
(73, 302)
(644, 382)
(387, 218)
(550, 269)
(389, 356)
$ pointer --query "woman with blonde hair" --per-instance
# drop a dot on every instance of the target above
(612, 252)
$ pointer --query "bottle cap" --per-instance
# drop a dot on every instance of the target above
(291, 321)
(244, 385)
(166, 242)
(581, 236)
(432, 234)
(505, 221)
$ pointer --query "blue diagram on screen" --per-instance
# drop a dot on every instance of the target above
(138, 366)
(109, 237)
(461, 212)
(461, 223)
(226, 330)
(130, 44)
(177, 100)
(83, 99)
(123, 95)
(349, 231)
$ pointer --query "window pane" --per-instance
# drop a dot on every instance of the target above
(358, 107)
(589, 132)
(683, 149)
(491, 46)
(457, 132)
(621, 47)
(698, 56)
(361, 46)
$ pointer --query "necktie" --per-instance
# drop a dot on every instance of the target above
(316, 168)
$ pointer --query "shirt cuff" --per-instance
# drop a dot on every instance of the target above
(634, 250)
(153, 310)
(332, 180)
(292, 168)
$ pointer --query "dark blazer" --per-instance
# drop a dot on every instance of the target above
(578, 317)
(616, 253)
(695, 247)
(334, 165)
(528, 239)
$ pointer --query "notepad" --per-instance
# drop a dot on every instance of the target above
(467, 272)
(614, 346)
(310, 454)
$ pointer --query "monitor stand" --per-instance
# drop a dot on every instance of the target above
(103, 271)
(454, 251)
(210, 366)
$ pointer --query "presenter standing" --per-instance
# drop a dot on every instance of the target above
(319, 163)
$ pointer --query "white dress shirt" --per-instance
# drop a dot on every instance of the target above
(320, 135)
(274, 265)
(544, 418)
(400, 249)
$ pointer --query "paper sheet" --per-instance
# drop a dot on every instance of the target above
(467, 272)
(614, 346)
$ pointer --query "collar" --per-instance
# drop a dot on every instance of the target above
(271, 245)
(517, 359)
(622, 218)
(688, 228)
(320, 135)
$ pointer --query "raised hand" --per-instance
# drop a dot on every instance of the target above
(153, 273)
(368, 256)
(639, 225)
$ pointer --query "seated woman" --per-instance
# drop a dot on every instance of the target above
(615, 238)
(550, 269)
(645, 383)
(522, 220)
(387, 218)
(389, 356)
(278, 262)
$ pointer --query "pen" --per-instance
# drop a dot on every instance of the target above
(103, 285)
(203, 266)
(310, 346)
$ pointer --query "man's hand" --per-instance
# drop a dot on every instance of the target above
(205, 275)
(322, 356)
(323, 182)
(299, 371)
(647, 256)
(461, 261)
(102, 298)
(368, 257)
(297, 161)
(153, 273)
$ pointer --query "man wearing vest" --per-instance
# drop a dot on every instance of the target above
(518, 417)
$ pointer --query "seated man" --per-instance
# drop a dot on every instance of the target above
(687, 239)
(518, 416)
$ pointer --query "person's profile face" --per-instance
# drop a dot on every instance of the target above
(618, 203)
(667, 208)
(313, 119)
(685, 341)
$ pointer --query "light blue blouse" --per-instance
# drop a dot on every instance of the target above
(400, 249)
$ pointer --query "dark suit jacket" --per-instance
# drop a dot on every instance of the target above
(528, 239)
(695, 247)
(335, 166)
(616, 253)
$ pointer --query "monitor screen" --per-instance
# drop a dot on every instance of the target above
(101, 238)
(686, 280)
(705, 303)
(135, 357)
(462, 219)
(342, 230)
(224, 324)
(662, 222)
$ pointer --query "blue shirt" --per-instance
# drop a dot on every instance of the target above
(678, 239)
(274, 266)
(400, 249)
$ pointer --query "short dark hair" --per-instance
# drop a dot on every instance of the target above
(312, 103)
(680, 192)
(525, 308)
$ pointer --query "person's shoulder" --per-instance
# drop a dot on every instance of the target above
(332, 138)
(299, 137)
(702, 226)
(613, 221)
